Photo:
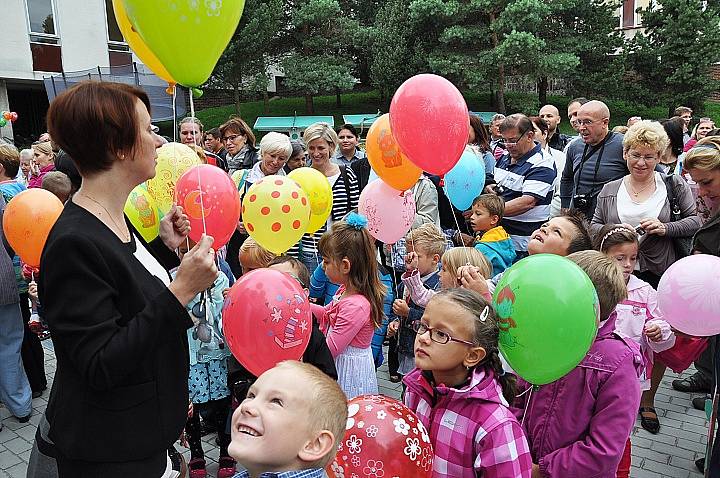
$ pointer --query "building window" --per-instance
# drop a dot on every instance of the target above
(114, 34)
(628, 13)
(40, 14)
(46, 52)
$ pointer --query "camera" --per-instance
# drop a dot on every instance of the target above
(581, 202)
(640, 231)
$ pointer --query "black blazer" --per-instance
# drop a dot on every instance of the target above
(120, 392)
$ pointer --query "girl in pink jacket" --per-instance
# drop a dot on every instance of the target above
(639, 319)
(460, 391)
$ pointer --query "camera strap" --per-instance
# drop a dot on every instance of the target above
(588, 152)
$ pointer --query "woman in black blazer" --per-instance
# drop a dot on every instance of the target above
(120, 396)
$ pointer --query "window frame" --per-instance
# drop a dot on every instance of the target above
(31, 33)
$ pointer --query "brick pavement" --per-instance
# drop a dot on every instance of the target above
(669, 454)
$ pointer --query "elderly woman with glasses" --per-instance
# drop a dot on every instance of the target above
(661, 209)
(239, 142)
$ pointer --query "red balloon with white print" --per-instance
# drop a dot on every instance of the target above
(383, 439)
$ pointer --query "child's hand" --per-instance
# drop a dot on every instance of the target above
(393, 328)
(653, 333)
(32, 290)
(400, 308)
(411, 261)
(470, 278)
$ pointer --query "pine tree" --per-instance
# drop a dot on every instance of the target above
(317, 62)
(392, 59)
(673, 56)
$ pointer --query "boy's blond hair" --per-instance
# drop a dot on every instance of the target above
(257, 253)
(457, 257)
(606, 276)
(327, 405)
(428, 238)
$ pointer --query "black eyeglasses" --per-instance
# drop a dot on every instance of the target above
(507, 142)
(232, 137)
(436, 335)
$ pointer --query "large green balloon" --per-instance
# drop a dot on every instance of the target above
(548, 311)
(187, 36)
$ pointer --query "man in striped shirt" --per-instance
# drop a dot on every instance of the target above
(524, 179)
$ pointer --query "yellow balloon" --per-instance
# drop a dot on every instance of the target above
(172, 161)
(316, 186)
(143, 214)
(317, 221)
(138, 45)
(276, 213)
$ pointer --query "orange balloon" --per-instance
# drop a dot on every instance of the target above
(27, 222)
(386, 158)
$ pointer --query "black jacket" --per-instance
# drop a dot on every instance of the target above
(120, 395)
(361, 168)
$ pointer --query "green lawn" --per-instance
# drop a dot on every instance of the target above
(370, 102)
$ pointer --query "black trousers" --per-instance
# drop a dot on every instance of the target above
(31, 351)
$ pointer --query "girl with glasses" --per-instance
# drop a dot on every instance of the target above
(460, 391)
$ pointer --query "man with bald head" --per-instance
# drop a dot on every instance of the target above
(556, 139)
(592, 162)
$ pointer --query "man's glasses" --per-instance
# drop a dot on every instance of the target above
(587, 122)
(437, 336)
(513, 142)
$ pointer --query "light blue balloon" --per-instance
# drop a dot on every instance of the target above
(465, 181)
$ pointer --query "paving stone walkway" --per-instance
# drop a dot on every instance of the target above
(669, 454)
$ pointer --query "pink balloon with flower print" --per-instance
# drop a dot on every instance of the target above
(383, 438)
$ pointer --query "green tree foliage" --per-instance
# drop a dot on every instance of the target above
(253, 48)
(673, 56)
(392, 59)
(582, 42)
(317, 61)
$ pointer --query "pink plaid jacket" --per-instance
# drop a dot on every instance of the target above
(472, 431)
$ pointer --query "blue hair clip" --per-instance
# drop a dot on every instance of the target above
(358, 221)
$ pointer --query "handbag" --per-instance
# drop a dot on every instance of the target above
(685, 351)
(682, 244)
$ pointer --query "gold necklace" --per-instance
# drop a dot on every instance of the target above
(125, 237)
(637, 193)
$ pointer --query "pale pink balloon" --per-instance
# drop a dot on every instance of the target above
(689, 295)
(390, 212)
(430, 122)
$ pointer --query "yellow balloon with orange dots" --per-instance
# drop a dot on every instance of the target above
(276, 212)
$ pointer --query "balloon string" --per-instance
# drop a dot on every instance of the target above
(174, 107)
(202, 202)
(527, 404)
(457, 224)
(315, 247)
(392, 260)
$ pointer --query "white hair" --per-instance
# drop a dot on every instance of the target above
(275, 143)
(26, 154)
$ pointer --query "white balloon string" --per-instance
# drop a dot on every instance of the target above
(174, 107)
(457, 224)
(202, 202)
(392, 260)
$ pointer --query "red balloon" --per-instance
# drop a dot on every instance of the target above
(430, 122)
(266, 319)
(13, 116)
(383, 438)
(207, 191)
